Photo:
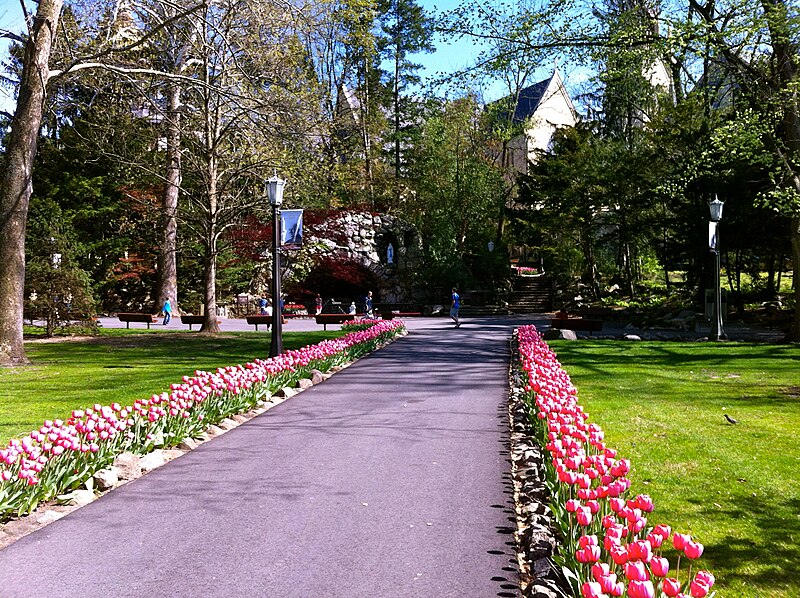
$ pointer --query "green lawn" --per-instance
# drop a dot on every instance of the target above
(735, 487)
(119, 365)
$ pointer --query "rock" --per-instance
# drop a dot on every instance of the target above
(78, 498)
(286, 392)
(214, 431)
(304, 383)
(50, 516)
(228, 424)
(152, 460)
(240, 418)
(105, 479)
(188, 444)
(128, 466)
(631, 337)
(554, 334)
(317, 377)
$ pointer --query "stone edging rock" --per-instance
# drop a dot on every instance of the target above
(129, 466)
(536, 535)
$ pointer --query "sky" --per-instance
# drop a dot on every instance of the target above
(450, 55)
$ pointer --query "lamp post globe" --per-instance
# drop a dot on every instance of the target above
(715, 207)
(275, 186)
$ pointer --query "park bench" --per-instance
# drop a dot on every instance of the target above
(389, 311)
(391, 315)
(326, 319)
(191, 320)
(577, 324)
(256, 319)
(130, 317)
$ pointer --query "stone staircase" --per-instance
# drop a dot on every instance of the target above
(531, 294)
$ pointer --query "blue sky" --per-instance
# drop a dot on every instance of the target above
(450, 55)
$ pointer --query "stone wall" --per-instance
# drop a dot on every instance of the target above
(365, 238)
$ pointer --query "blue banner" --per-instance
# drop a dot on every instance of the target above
(292, 228)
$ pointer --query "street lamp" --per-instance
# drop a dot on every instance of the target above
(717, 332)
(275, 187)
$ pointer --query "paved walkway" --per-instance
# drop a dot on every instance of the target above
(388, 480)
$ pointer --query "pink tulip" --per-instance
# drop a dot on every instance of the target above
(641, 589)
(706, 577)
(591, 589)
(659, 566)
(693, 550)
(671, 587)
(636, 571)
(680, 540)
(698, 589)
(600, 570)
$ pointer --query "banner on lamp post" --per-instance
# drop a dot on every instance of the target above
(713, 239)
(292, 229)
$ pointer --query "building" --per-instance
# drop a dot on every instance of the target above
(540, 110)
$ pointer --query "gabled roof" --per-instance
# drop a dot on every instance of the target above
(529, 99)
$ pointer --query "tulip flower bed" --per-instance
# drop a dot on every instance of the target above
(354, 325)
(608, 547)
(61, 455)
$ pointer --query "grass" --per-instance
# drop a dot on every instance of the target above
(119, 366)
(735, 487)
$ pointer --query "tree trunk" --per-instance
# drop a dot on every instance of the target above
(794, 330)
(17, 183)
(167, 262)
(210, 278)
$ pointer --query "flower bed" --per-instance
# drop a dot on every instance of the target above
(608, 548)
(61, 455)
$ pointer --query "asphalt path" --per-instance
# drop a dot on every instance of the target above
(390, 479)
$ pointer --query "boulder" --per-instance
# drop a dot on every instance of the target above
(304, 383)
(128, 466)
(105, 479)
(554, 334)
(152, 461)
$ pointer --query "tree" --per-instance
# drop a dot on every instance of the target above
(406, 31)
(18, 178)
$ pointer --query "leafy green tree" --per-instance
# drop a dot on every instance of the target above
(405, 31)
(456, 190)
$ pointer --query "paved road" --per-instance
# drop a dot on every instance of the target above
(388, 480)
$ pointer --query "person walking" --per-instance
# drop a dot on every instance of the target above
(262, 304)
(454, 307)
(167, 309)
(368, 305)
(318, 303)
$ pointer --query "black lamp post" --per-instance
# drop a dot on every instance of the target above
(275, 187)
(717, 332)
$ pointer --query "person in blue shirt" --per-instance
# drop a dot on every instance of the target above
(167, 309)
(454, 307)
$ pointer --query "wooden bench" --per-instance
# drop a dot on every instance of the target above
(582, 324)
(391, 315)
(257, 319)
(192, 320)
(326, 319)
(129, 317)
